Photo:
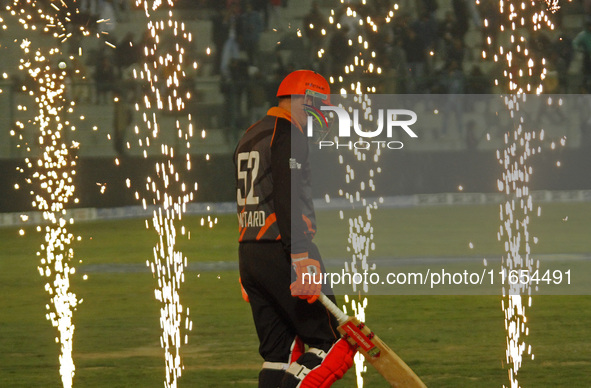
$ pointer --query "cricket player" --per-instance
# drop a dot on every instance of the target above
(298, 338)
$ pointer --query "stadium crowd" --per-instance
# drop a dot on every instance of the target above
(427, 46)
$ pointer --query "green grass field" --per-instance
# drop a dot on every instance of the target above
(450, 341)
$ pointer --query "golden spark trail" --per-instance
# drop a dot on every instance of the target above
(363, 69)
(524, 73)
(52, 162)
(363, 66)
(164, 71)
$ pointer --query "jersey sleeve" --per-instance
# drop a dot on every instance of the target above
(289, 152)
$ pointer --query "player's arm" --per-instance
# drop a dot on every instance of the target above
(287, 187)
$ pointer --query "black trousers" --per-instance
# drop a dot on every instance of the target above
(266, 273)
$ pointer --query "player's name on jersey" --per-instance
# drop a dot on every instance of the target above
(254, 218)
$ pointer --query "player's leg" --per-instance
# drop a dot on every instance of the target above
(266, 274)
(317, 368)
(279, 345)
(272, 373)
(328, 357)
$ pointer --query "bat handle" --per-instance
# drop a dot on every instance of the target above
(334, 310)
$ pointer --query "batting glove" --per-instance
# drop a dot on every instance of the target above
(308, 286)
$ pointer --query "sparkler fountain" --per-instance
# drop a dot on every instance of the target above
(52, 161)
(359, 182)
(521, 19)
(164, 71)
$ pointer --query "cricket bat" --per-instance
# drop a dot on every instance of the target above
(375, 351)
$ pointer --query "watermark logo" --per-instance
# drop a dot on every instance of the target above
(388, 121)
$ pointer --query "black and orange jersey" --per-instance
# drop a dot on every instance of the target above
(273, 188)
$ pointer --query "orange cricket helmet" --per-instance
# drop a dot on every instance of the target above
(305, 82)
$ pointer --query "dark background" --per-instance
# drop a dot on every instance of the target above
(403, 173)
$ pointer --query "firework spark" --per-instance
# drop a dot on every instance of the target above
(52, 163)
(524, 73)
(363, 65)
(164, 71)
(364, 62)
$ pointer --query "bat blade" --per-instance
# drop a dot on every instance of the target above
(379, 355)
